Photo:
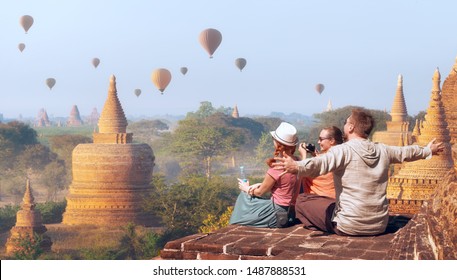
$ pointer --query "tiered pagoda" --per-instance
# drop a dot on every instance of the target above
(28, 225)
(42, 119)
(416, 181)
(111, 177)
(397, 129)
(93, 117)
(449, 98)
(75, 118)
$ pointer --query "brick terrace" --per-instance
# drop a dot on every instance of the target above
(295, 243)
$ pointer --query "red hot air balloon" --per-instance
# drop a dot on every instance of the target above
(26, 22)
(210, 39)
(50, 82)
(95, 62)
(161, 78)
(21, 46)
(320, 88)
(240, 63)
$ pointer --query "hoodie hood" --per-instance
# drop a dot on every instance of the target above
(366, 150)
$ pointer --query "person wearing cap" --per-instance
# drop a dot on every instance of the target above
(360, 171)
(251, 208)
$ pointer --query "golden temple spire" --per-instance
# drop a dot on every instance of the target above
(112, 119)
(399, 112)
(415, 181)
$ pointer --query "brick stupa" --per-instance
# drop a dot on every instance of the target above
(111, 177)
(397, 129)
(417, 180)
(74, 119)
(449, 97)
(28, 225)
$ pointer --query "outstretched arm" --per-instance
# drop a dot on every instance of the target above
(286, 163)
(435, 147)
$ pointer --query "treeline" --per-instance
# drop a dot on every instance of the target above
(197, 162)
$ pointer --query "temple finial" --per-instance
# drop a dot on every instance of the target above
(28, 201)
(436, 81)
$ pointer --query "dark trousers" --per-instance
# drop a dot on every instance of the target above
(315, 212)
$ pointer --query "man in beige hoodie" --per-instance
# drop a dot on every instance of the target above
(360, 171)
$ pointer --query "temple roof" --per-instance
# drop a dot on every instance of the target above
(112, 119)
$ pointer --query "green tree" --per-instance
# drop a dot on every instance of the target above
(183, 206)
(54, 178)
(264, 149)
(28, 247)
(14, 137)
(205, 110)
(338, 117)
(197, 143)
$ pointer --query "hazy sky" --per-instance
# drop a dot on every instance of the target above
(356, 48)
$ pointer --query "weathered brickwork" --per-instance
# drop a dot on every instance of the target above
(111, 177)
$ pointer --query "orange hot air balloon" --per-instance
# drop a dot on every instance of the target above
(210, 39)
(50, 82)
(240, 63)
(183, 70)
(137, 92)
(95, 62)
(161, 78)
(26, 22)
(320, 88)
(21, 46)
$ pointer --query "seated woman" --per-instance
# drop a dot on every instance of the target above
(251, 208)
(322, 185)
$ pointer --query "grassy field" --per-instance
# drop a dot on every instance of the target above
(45, 132)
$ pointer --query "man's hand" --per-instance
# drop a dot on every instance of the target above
(286, 163)
(436, 148)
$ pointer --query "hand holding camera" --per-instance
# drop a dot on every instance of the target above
(307, 148)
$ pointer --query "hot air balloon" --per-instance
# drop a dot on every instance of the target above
(21, 46)
(50, 82)
(95, 62)
(183, 70)
(137, 92)
(240, 63)
(210, 39)
(320, 88)
(26, 22)
(161, 78)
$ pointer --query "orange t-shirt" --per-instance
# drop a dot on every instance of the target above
(322, 185)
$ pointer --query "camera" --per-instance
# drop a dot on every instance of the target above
(310, 148)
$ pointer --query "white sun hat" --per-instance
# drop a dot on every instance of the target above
(285, 134)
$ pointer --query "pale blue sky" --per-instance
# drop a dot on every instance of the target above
(356, 48)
